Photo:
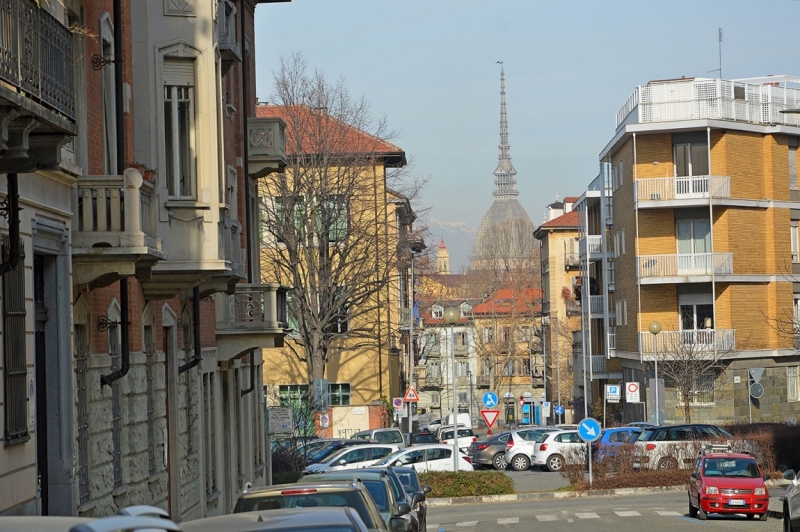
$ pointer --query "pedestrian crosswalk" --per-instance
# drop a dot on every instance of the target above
(569, 517)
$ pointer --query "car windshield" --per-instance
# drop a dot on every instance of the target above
(388, 459)
(730, 467)
(277, 501)
(423, 438)
(325, 452)
(410, 481)
(377, 489)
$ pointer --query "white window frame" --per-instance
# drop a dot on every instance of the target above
(795, 239)
(437, 312)
(182, 184)
(793, 383)
(622, 241)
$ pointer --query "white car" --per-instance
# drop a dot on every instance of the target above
(520, 446)
(427, 457)
(353, 458)
(791, 503)
(465, 437)
(675, 446)
(554, 449)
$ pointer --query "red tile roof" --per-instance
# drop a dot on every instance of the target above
(571, 219)
(508, 301)
(322, 133)
(570, 199)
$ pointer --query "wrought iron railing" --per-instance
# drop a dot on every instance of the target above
(461, 350)
(36, 55)
(483, 380)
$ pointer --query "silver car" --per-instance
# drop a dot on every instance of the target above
(791, 502)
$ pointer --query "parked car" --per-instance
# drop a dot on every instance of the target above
(341, 519)
(553, 449)
(447, 427)
(611, 440)
(725, 482)
(641, 424)
(673, 446)
(353, 494)
(132, 518)
(490, 452)
(331, 448)
(427, 457)
(419, 437)
(433, 426)
(465, 437)
(521, 445)
(791, 502)
(388, 435)
(411, 483)
(352, 457)
(386, 490)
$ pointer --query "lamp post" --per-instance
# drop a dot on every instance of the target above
(655, 328)
(451, 316)
(416, 246)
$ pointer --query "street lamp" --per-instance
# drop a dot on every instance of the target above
(415, 246)
(655, 328)
(451, 316)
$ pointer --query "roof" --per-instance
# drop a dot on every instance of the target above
(323, 133)
(508, 301)
(571, 199)
(570, 219)
(265, 520)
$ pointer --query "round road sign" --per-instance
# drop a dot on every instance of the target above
(589, 429)
(756, 390)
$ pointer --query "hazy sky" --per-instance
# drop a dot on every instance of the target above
(430, 67)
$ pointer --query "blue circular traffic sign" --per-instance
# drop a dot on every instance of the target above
(490, 399)
(589, 429)
(559, 410)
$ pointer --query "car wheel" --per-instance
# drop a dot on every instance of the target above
(701, 514)
(692, 510)
(520, 463)
(499, 462)
(787, 524)
(555, 463)
(668, 463)
(762, 517)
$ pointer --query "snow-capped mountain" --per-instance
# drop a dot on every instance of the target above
(458, 237)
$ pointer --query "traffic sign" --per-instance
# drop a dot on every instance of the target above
(490, 416)
(632, 392)
(324, 421)
(490, 399)
(411, 396)
(559, 410)
(521, 401)
(613, 393)
(589, 429)
(756, 390)
(397, 402)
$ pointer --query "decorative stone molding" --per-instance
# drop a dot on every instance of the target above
(180, 8)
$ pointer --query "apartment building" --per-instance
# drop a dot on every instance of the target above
(696, 263)
(133, 327)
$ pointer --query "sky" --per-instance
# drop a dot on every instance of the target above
(430, 66)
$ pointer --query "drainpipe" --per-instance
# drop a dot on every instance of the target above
(13, 225)
(125, 349)
(198, 355)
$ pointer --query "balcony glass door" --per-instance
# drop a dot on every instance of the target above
(697, 324)
(694, 248)
(691, 160)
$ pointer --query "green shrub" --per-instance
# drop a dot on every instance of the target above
(467, 483)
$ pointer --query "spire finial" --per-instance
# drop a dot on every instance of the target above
(505, 177)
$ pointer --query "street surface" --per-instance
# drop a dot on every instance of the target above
(656, 512)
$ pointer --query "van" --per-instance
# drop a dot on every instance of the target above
(461, 419)
(388, 435)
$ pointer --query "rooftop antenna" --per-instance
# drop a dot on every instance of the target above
(719, 70)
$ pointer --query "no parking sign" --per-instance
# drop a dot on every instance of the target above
(632, 392)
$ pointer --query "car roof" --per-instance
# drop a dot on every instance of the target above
(728, 455)
(281, 519)
(320, 484)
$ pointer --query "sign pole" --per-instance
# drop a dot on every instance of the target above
(605, 398)
(589, 444)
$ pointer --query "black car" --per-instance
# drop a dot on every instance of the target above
(420, 437)
(411, 483)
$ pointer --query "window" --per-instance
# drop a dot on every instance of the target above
(332, 214)
(505, 334)
(793, 185)
(488, 335)
(614, 179)
(620, 173)
(179, 135)
(622, 241)
(292, 394)
(625, 312)
(508, 368)
(15, 372)
(525, 333)
(618, 313)
(289, 224)
(462, 340)
(793, 383)
(437, 312)
(615, 251)
(339, 324)
(339, 393)
(434, 370)
(703, 390)
(691, 159)
(795, 242)
(694, 247)
(462, 397)
(524, 367)
(461, 369)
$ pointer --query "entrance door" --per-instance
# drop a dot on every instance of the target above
(697, 325)
(40, 365)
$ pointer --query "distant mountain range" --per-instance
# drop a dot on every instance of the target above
(459, 238)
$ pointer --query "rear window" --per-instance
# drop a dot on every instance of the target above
(389, 436)
(542, 438)
(463, 433)
(650, 435)
(423, 438)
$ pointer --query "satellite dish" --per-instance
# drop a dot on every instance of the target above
(756, 390)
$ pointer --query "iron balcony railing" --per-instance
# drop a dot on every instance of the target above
(681, 264)
(693, 99)
(685, 343)
(36, 55)
(682, 188)
(598, 364)
(596, 305)
(461, 350)
(571, 259)
(483, 381)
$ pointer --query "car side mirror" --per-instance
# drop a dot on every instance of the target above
(789, 474)
(396, 463)
(417, 498)
(403, 508)
(426, 489)
(766, 477)
(397, 524)
(695, 475)
(342, 462)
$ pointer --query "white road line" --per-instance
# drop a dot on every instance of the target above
(570, 520)
(547, 518)
(667, 512)
(627, 513)
(507, 520)
(433, 527)
(467, 523)
(587, 515)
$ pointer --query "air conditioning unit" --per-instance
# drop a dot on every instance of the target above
(610, 287)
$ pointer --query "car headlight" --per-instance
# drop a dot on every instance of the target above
(760, 491)
(712, 490)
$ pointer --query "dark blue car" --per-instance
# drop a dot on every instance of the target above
(611, 440)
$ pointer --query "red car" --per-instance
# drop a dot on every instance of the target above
(727, 483)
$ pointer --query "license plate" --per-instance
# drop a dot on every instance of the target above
(736, 502)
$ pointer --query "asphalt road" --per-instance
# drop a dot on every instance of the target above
(661, 511)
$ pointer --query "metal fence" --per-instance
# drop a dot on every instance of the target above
(678, 188)
(680, 264)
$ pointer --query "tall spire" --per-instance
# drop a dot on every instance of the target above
(505, 177)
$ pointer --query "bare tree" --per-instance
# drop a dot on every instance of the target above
(329, 225)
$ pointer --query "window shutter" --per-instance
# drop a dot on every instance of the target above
(179, 72)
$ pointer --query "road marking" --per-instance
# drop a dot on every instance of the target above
(508, 520)
(667, 512)
(587, 515)
(434, 527)
(570, 520)
(547, 518)
(627, 513)
(467, 523)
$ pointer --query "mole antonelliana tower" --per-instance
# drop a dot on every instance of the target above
(442, 259)
(502, 233)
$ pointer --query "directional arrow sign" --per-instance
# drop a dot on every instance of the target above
(490, 399)
(490, 416)
(589, 429)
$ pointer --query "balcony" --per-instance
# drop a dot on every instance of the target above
(684, 344)
(596, 306)
(593, 244)
(483, 381)
(598, 364)
(253, 317)
(36, 65)
(757, 102)
(673, 268)
(114, 229)
(230, 51)
(405, 318)
(267, 146)
(688, 190)
(430, 381)
(571, 260)
(461, 350)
